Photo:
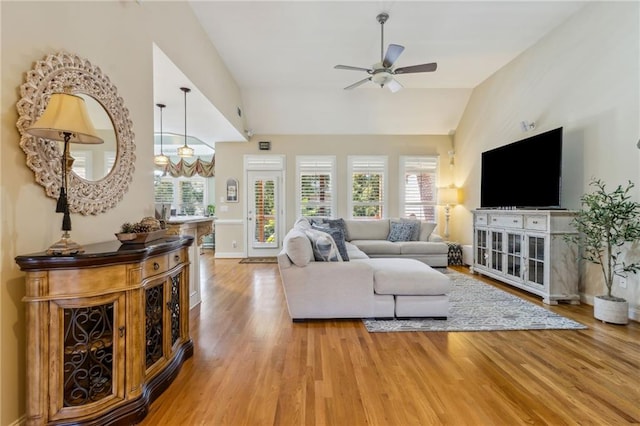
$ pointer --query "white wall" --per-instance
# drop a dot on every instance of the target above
(117, 36)
(585, 77)
(230, 224)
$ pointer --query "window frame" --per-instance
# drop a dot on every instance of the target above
(428, 164)
(377, 164)
(326, 159)
(176, 202)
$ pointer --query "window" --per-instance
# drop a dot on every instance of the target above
(316, 185)
(109, 160)
(186, 195)
(82, 164)
(418, 187)
(367, 189)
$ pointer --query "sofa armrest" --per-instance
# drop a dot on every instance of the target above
(435, 238)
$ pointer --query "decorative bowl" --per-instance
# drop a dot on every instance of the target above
(142, 237)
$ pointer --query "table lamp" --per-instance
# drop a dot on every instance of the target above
(65, 119)
(448, 197)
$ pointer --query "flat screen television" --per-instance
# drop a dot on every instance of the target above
(524, 174)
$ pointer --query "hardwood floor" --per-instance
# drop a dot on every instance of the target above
(253, 366)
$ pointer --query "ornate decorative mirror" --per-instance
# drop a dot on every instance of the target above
(101, 174)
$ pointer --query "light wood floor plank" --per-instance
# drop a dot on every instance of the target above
(253, 366)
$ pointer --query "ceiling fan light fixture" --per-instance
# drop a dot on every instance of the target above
(382, 72)
(185, 151)
(382, 78)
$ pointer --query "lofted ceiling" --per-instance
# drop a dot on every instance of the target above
(282, 55)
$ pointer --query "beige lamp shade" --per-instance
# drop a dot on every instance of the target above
(448, 196)
(65, 113)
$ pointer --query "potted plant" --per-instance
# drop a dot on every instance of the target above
(606, 222)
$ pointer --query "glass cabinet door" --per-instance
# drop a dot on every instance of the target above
(535, 260)
(514, 255)
(497, 252)
(482, 253)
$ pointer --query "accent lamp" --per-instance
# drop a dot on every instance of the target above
(448, 197)
(65, 119)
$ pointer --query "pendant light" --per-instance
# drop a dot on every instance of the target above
(185, 151)
(161, 160)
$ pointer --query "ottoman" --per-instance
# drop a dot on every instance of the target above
(418, 289)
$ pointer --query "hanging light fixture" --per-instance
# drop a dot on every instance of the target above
(185, 151)
(161, 160)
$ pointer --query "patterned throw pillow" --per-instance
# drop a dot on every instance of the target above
(415, 236)
(401, 231)
(324, 248)
(338, 238)
(338, 223)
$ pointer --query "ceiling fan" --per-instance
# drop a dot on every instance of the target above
(382, 72)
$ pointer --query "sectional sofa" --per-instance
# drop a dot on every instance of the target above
(371, 236)
(397, 286)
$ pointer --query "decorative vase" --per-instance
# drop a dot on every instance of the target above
(612, 310)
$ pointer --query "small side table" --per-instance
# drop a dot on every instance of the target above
(454, 257)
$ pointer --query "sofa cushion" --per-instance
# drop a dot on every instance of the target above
(401, 231)
(422, 247)
(338, 238)
(373, 247)
(358, 229)
(323, 246)
(298, 247)
(407, 277)
(426, 228)
(354, 252)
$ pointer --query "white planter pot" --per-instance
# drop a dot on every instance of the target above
(611, 311)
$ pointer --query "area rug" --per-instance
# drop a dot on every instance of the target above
(270, 259)
(476, 306)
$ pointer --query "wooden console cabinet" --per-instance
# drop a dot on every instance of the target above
(107, 330)
(526, 249)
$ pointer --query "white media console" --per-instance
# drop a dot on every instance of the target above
(526, 249)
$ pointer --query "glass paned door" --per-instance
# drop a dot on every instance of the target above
(264, 213)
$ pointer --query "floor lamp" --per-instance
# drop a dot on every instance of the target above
(448, 197)
(65, 119)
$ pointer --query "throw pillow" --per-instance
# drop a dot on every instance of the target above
(401, 231)
(426, 228)
(338, 238)
(323, 246)
(415, 235)
(302, 223)
(340, 224)
(298, 247)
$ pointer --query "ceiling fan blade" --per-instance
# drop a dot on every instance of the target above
(348, 67)
(417, 68)
(394, 86)
(361, 82)
(393, 52)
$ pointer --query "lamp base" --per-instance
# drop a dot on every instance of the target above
(65, 246)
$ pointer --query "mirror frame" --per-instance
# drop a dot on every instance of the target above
(54, 74)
